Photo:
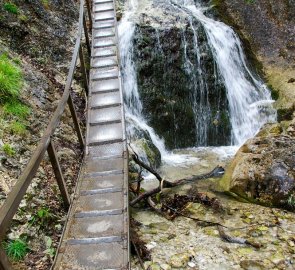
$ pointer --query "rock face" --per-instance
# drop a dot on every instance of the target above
(268, 27)
(263, 170)
(142, 144)
(183, 95)
(183, 109)
(39, 29)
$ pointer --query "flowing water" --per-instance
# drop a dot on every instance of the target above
(181, 243)
(247, 96)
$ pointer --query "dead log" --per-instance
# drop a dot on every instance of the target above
(216, 172)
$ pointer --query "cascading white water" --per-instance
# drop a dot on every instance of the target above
(133, 108)
(248, 97)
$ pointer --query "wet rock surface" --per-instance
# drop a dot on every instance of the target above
(268, 28)
(186, 244)
(263, 170)
(183, 95)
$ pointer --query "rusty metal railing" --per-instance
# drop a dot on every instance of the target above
(11, 204)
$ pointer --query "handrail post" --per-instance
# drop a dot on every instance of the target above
(4, 262)
(86, 37)
(89, 13)
(58, 174)
(76, 122)
(83, 69)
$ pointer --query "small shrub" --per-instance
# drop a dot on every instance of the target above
(10, 78)
(17, 128)
(16, 108)
(42, 218)
(8, 150)
(17, 249)
(10, 7)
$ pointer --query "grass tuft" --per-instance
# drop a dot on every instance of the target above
(10, 7)
(14, 107)
(17, 128)
(8, 150)
(10, 78)
(17, 249)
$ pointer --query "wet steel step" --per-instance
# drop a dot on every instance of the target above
(104, 16)
(108, 73)
(103, 115)
(104, 42)
(103, 62)
(105, 85)
(99, 202)
(95, 227)
(104, 7)
(101, 182)
(105, 134)
(106, 150)
(104, 33)
(102, 165)
(104, 52)
(101, 2)
(105, 100)
(104, 255)
(103, 25)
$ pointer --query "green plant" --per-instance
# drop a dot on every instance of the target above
(10, 7)
(17, 128)
(10, 78)
(250, 1)
(16, 108)
(42, 218)
(17, 249)
(8, 150)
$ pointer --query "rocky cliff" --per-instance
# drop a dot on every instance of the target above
(267, 28)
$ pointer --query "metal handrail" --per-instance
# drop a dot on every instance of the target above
(18, 191)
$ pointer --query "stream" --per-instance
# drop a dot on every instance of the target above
(182, 243)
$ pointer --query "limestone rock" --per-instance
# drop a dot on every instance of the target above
(179, 260)
(263, 170)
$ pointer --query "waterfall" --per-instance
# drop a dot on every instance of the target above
(133, 105)
(249, 99)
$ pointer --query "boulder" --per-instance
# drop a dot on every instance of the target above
(263, 170)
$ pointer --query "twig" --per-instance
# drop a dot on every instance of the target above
(140, 163)
(139, 258)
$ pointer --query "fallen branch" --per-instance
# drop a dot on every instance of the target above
(216, 172)
(143, 165)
